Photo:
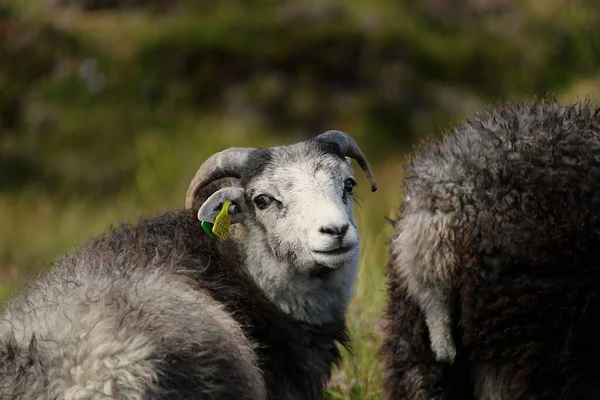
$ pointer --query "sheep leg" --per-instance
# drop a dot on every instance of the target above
(411, 369)
(435, 304)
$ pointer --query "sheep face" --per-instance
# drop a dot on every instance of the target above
(302, 201)
(295, 225)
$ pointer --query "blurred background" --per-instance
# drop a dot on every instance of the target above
(108, 107)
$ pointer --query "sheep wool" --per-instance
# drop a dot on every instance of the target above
(158, 310)
(494, 270)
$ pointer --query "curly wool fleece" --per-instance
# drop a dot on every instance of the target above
(495, 263)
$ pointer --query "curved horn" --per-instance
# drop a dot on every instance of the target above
(350, 149)
(228, 163)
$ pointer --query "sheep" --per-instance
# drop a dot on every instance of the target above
(495, 260)
(160, 310)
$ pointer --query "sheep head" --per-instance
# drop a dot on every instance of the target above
(294, 218)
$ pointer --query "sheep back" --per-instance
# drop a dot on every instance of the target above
(518, 190)
(157, 310)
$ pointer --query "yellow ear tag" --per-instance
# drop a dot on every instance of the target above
(222, 222)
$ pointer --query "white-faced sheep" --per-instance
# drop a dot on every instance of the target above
(158, 310)
(494, 277)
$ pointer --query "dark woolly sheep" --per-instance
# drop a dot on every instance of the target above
(494, 277)
(158, 310)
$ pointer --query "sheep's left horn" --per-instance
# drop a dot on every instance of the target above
(350, 149)
(228, 163)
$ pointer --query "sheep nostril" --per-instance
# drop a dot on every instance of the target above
(335, 230)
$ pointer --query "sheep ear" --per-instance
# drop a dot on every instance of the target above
(213, 205)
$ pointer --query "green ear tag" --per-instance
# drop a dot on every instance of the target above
(207, 226)
(223, 222)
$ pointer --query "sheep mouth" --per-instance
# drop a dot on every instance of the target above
(327, 262)
(335, 252)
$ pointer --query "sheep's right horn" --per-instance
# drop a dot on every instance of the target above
(228, 163)
(350, 149)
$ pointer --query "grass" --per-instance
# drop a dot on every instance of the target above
(5, 290)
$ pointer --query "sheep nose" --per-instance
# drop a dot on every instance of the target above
(335, 230)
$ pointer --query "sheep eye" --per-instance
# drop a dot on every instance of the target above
(262, 201)
(349, 185)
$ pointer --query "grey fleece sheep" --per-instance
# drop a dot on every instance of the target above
(494, 278)
(158, 310)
